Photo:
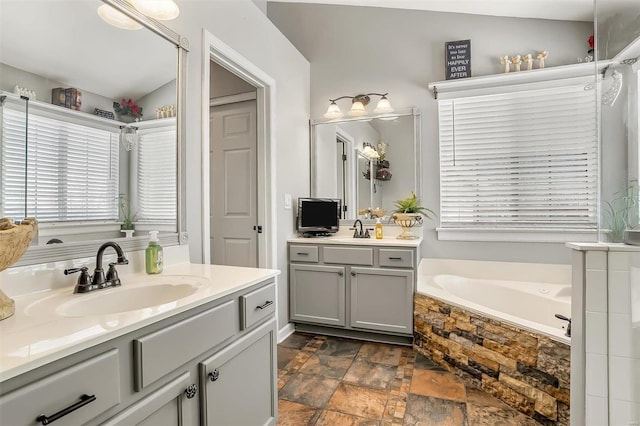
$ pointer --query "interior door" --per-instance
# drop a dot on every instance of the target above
(234, 232)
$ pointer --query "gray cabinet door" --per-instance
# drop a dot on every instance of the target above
(171, 405)
(382, 300)
(317, 294)
(239, 383)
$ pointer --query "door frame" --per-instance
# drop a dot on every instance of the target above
(351, 171)
(219, 52)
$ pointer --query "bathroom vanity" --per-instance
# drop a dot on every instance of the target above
(206, 358)
(358, 287)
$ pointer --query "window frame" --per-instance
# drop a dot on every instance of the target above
(508, 83)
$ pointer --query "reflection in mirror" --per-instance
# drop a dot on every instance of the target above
(618, 32)
(86, 167)
(369, 162)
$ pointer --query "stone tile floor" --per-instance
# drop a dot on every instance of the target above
(334, 382)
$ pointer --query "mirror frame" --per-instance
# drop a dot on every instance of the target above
(74, 250)
(417, 135)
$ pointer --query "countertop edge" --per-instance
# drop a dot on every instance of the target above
(12, 372)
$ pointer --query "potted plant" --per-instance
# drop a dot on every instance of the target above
(124, 206)
(127, 110)
(408, 213)
(619, 210)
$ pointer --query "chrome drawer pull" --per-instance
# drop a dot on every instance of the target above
(84, 400)
(266, 304)
(395, 258)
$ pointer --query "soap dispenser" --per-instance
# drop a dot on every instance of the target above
(378, 229)
(153, 255)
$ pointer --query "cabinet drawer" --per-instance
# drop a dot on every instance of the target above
(97, 377)
(396, 258)
(348, 255)
(159, 353)
(257, 305)
(303, 253)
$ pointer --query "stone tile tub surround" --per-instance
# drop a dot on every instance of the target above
(528, 370)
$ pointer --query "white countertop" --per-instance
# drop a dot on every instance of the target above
(342, 240)
(602, 247)
(33, 337)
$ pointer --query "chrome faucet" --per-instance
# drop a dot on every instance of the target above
(98, 280)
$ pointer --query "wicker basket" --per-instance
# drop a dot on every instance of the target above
(14, 241)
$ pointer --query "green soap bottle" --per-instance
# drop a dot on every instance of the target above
(153, 255)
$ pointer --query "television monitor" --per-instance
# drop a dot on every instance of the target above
(318, 216)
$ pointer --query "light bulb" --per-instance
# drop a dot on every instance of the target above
(333, 111)
(116, 18)
(163, 10)
(383, 107)
(357, 109)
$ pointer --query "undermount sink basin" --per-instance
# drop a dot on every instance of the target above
(125, 298)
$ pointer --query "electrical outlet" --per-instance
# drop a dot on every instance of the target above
(287, 201)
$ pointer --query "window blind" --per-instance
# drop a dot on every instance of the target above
(71, 169)
(156, 175)
(525, 159)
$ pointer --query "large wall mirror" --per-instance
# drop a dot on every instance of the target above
(367, 162)
(83, 166)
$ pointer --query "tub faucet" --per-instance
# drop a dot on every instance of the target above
(98, 280)
(563, 318)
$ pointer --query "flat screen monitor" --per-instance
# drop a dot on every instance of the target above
(318, 216)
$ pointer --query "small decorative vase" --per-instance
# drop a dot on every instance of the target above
(128, 233)
(406, 222)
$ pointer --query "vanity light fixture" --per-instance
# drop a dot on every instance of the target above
(369, 151)
(116, 18)
(358, 104)
(162, 10)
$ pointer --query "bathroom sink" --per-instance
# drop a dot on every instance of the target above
(125, 298)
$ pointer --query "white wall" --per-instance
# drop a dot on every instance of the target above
(225, 83)
(360, 49)
(241, 25)
(162, 96)
(11, 76)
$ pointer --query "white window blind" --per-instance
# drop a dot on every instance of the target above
(156, 175)
(71, 169)
(525, 160)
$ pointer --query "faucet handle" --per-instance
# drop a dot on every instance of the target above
(74, 270)
(112, 274)
(563, 318)
(83, 285)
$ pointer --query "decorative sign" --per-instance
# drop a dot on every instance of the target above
(458, 59)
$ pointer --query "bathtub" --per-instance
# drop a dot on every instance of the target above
(526, 295)
(493, 324)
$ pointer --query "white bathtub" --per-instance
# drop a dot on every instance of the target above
(527, 295)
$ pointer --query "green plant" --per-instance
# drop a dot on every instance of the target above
(412, 205)
(125, 212)
(618, 211)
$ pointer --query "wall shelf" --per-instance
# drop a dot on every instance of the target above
(531, 77)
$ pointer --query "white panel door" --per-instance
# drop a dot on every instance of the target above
(233, 184)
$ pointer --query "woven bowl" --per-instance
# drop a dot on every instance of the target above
(15, 240)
